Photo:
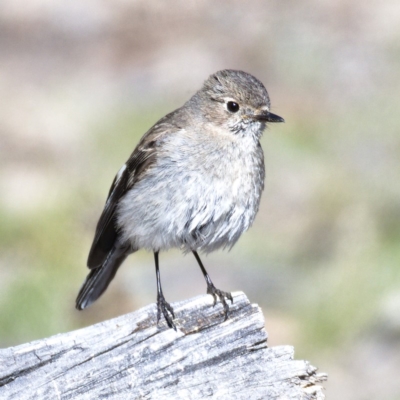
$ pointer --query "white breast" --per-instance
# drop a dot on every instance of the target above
(200, 194)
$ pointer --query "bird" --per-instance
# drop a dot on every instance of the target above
(193, 182)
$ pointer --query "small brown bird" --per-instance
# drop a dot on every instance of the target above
(194, 182)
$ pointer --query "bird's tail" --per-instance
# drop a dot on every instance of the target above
(99, 278)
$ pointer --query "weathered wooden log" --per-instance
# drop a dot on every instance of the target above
(129, 357)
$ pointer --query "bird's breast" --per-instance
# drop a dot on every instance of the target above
(197, 196)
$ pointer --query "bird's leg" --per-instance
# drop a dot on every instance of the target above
(162, 305)
(211, 289)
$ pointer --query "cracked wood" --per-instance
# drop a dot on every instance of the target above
(129, 357)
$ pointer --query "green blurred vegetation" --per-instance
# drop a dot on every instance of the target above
(323, 256)
(42, 250)
(344, 251)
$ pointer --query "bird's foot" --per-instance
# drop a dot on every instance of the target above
(222, 296)
(164, 308)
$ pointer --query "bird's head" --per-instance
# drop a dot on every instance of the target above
(237, 101)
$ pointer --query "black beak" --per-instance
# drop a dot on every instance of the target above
(268, 117)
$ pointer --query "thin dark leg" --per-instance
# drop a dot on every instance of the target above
(162, 306)
(211, 289)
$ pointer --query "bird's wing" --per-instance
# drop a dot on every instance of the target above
(131, 172)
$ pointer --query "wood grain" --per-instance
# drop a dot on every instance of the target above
(129, 357)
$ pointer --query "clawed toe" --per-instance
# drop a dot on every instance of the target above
(222, 296)
(211, 289)
(164, 308)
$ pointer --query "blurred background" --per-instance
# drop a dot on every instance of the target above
(81, 82)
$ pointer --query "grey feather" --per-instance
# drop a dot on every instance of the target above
(194, 181)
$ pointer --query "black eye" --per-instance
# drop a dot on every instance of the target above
(232, 106)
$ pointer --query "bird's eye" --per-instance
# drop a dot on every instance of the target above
(232, 106)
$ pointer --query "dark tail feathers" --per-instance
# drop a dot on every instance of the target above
(99, 278)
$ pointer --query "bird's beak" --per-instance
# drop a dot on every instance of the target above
(267, 116)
